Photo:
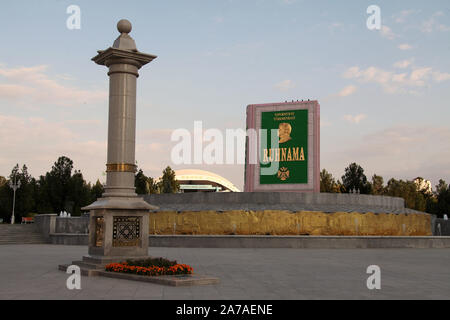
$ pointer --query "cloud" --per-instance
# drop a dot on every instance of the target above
(347, 91)
(403, 15)
(38, 143)
(432, 24)
(336, 25)
(404, 63)
(404, 152)
(393, 82)
(355, 119)
(33, 85)
(285, 85)
(218, 19)
(387, 33)
(13, 91)
(325, 123)
(404, 46)
(441, 77)
(41, 142)
(153, 150)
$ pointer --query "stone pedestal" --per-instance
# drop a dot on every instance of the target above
(118, 233)
(119, 220)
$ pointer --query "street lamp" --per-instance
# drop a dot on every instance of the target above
(14, 185)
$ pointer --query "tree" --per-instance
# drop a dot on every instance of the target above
(3, 198)
(407, 190)
(24, 195)
(141, 183)
(355, 179)
(443, 198)
(42, 196)
(441, 187)
(56, 183)
(377, 185)
(168, 183)
(2, 181)
(79, 194)
(328, 183)
(153, 186)
(24, 199)
(340, 187)
(59, 190)
(97, 191)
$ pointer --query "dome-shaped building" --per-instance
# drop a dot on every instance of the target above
(192, 180)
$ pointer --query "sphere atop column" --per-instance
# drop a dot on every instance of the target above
(124, 26)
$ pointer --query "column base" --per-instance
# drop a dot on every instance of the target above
(119, 203)
(119, 227)
(118, 233)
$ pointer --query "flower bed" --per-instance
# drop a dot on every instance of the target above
(158, 269)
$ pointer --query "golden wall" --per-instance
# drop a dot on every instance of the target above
(276, 222)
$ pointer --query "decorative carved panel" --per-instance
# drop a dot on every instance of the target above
(127, 231)
(99, 231)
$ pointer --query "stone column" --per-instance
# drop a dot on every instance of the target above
(119, 220)
(121, 129)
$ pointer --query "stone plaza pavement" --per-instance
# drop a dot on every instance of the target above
(30, 272)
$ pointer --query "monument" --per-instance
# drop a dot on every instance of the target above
(119, 220)
(284, 153)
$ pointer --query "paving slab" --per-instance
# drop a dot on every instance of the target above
(31, 272)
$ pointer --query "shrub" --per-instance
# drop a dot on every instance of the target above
(152, 262)
(150, 267)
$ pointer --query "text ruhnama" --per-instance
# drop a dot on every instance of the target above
(284, 155)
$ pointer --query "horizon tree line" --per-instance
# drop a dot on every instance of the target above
(435, 202)
(64, 189)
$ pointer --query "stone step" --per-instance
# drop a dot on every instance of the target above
(23, 241)
(6, 228)
(90, 266)
(107, 260)
(20, 234)
(84, 271)
(16, 243)
(17, 231)
(18, 237)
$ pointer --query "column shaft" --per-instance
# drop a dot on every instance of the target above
(121, 130)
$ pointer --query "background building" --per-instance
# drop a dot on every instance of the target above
(203, 181)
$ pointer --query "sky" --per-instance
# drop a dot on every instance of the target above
(384, 94)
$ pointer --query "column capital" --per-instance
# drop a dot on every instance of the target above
(112, 56)
(124, 50)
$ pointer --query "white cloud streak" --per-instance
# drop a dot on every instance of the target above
(406, 151)
(387, 33)
(285, 85)
(393, 82)
(347, 91)
(34, 85)
(355, 119)
(404, 46)
(404, 63)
